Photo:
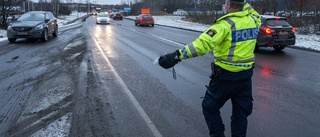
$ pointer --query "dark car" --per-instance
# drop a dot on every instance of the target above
(275, 32)
(111, 14)
(144, 19)
(117, 16)
(33, 25)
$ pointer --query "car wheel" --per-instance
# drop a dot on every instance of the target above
(55, 33)
(278, 48)
(12, 40)
(45, 35)
(152, 25)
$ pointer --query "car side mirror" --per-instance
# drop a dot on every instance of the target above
(47, 20)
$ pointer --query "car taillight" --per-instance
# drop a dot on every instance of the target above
(266, 30)
(294, 30)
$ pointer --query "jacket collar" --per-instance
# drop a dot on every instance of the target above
(235, 14)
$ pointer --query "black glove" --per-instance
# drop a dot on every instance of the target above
(169, 60)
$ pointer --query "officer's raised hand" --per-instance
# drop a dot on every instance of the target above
(169, 60)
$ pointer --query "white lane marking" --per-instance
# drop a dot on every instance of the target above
(143, 114)
(179, 45)
(176, 44)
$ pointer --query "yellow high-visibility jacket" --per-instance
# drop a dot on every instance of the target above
(232, 39)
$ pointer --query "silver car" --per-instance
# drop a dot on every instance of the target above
(103, 18)
(33, 25)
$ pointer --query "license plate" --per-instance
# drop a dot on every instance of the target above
(22, 33)
(283, 33)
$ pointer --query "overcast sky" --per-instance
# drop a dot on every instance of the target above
(104, 2)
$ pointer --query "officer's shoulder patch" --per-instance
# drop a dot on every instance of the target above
(211, 32)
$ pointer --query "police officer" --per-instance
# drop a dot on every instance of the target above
(232, 39)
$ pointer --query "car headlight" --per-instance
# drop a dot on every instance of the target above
(98, 18)
(9, 28)
(39, 27)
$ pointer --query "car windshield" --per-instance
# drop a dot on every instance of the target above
(277, 22)
(147, 16)
(103, 15)
(32, 17)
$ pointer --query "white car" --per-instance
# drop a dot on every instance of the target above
(103, 18)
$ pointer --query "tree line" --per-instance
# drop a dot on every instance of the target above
(12, 8)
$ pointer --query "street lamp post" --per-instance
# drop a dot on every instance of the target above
(28, 5)
(24, 6)
(261, 6)
(41, 5)
(88, 7)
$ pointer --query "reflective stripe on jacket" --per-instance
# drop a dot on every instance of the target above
(232, 39)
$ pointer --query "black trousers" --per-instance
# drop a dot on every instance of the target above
(236, 86)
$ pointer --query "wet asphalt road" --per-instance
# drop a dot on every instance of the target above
(100, 80)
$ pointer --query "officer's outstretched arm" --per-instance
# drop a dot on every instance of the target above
(252, 11)
(205, 43)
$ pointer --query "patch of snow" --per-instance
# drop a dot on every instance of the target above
(75, 55)
(72, 45)
(308, 41)
(58, 128)
(64, 19)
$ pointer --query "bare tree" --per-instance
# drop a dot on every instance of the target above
(7, 9)
(55, 7)
(41, 2)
